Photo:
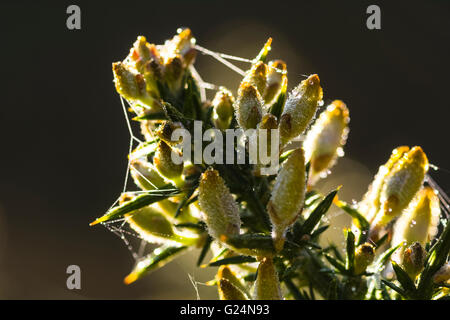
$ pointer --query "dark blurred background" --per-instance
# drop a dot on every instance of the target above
(64, 140)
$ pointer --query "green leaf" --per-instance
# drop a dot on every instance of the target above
(157, 259)
(380, 264)
(258, 242)
(204, 251)
(250, 277)
(174, 115)
(191, 225)
(394, 287)
(381, 241)
(151, 116)
(317, 214)
(404, 279)
(435, 260)
(262, 55)
(362, 223)
(296, 293)
(336, 263)
(138, 202)
(350, 261)
(277, 107)
(183, 202)
(231, 260)
(319, 231)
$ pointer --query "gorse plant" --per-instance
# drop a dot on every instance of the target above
(264, 230)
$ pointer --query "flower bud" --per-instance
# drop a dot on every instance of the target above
(220, 210)
(418, 222)
(163, 162)
(267, 285)
(364, 256)
(228, 291)
(257, 76)
(153, 227)
(288, 195)
(325, 139)
(275, 77)
(174, 72)
(234, 287)
(443, 274)
(300, 108)
(400, 186)
(140, 53)
(223, 108)
(165, 130)
(370, 204)
(132, 85)
(413, 259)
(248, 106)
(145, 176)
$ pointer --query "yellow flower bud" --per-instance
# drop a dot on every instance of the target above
(300, 108)
(267, 285)
(220, 210)
(257, 76)
(165, 130)
(275, 78)
(418, 222)
(364, 256)
(370, 204)
(228, 291)
(163, 162)
(325, 139)
(400, 186)
(132, 85)
(153, 227)
(443, 274)
(413, 259)
(174, 72)
(223, 108)
(225, 290)
(145, 175)
(288, 195)
(248, 106)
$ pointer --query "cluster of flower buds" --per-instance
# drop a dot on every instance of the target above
(254, 219)
(393, 188)
(150, 68)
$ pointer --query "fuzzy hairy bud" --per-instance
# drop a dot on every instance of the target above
(220, 210)
(145, 175)
(267, 285)
(276, 75)
(257, 76)
(229, 286)
(370, 204)
(300, 108)
(248, 106)
(163, 162)
(413, 259)
(364, 256)
(223, 108)
(288, 195)
(443, 274)
(325, 139)
(418, 222)
(400, 186)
